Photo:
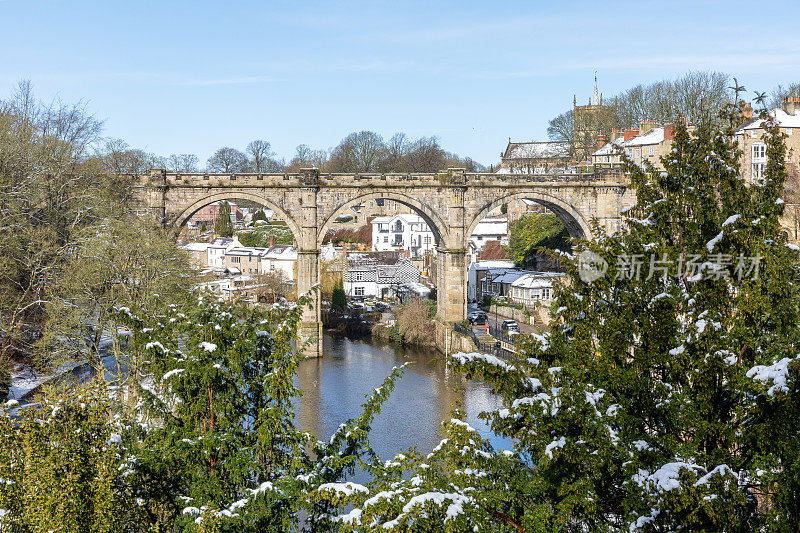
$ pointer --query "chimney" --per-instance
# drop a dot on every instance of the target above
(644, 127)
(791, 105)
(630, 133)
(669, 132)
(746, 110)
(601, 141)
(271, 240)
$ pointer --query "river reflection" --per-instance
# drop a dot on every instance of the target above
(335, 385)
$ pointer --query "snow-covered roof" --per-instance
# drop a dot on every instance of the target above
(654, 136)
(418, 288)
(221, 242)
(246, 251)
(281, 252)
(537, 150)
(497, 263)
(196, 246)
(537, 170)
(784, 120)
(536, 279)
(510, 276)
(491, 228)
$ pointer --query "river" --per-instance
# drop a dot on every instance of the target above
(335, 385)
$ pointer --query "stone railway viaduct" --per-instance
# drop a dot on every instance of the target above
(451, 202)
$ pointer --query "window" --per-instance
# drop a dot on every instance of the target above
(652, 151)
(358, 276)
(758, 171)
(545, 294)
(358, 291)
(385, 238)
(759, 152)
(398, 226)
(637, 152)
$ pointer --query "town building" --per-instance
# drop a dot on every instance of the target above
(244, 259)
(754, 159)
(198, 254)
(378, 274)
(218, 248)
(535, 157)
(279, 259)
(484, 274)
(536, 288)
(404, 232)
(751, 140)
(647, 143)
(488, 229)
(210, 213)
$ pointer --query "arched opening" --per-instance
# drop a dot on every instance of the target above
(378, 251)
(506, 271)
(258, 262)
(231, 196)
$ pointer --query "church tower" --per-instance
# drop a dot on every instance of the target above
(589, 121)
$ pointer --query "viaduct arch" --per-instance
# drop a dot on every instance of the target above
(452, 202)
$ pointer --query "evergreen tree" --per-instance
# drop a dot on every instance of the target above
(259, 215)
(662, 400)
(60, 465)
(338, 297)
(223, 225)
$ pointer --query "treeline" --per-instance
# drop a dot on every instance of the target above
(70, 253)
(363, 151)
(695, 96)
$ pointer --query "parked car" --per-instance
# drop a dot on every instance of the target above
(510, 326)
(477, 317)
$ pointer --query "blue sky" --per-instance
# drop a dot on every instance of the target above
(190, 77)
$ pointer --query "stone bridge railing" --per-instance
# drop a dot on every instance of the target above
(452, 178)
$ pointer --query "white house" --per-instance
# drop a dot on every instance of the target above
(488, 229)
(218, 248)
(378, 274)
(280, 259)
(402, 232)
(534, 288)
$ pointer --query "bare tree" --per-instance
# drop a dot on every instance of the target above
(118, 158)
(182, 163)
(261, 156)
(395, 153)
(305, 157)
(561, 127)
(358, 152)
(228, 160)
(780, 93)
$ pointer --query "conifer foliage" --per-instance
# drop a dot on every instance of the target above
(666, 396)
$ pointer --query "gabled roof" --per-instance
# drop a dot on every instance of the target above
(491, 228)
(784, 120)
(536, 279)
(196, 246)
(537, 150)
(282, 252)
(652, 137)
